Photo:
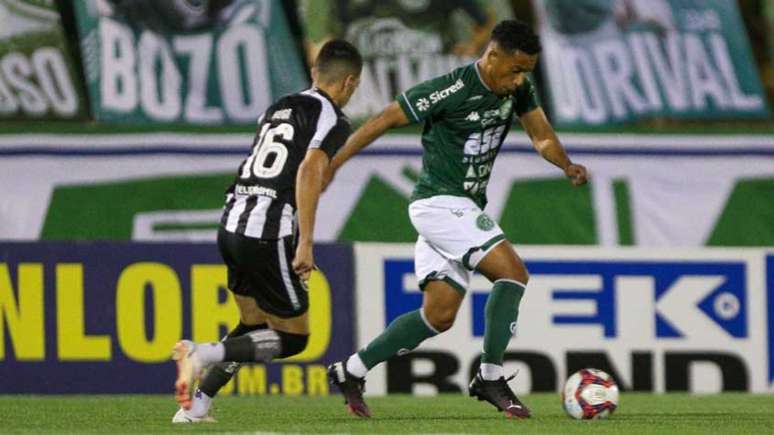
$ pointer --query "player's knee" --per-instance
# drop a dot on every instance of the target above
(518, 273)
(523, 277)
(242, 329)
(292, 344)
(441, 319)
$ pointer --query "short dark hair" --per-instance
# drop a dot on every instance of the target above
(512, 35)
(338, 59)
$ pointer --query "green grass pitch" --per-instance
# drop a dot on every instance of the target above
(638, 414)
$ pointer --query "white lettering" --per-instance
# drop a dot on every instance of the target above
(54, 78)
(617, 76)
(702, 76)
(739, 99)
(118, 84)
(17, 69)
(256, 190)
(672, 79)
(163, 104)
(243, 101)
(639, 52)
(444, 93)
(282, 115)
(8, 103)
(199, 49)
(592, 104)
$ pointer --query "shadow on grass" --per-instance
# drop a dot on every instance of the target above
(684, 415)
(440, 418)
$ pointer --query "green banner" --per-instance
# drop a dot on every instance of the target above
(646, 190)
(616, 61)
(37, 75)
(186, 61)
(402, 42)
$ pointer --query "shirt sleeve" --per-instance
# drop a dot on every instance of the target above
(525, 98)
(429, 98)
(335, 138)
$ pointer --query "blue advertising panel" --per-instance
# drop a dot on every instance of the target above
(695, 320)
(102, 317)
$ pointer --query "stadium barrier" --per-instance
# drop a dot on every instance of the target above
(101, 317)
(698, 320)
(80, 318)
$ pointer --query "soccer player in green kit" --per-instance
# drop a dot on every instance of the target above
(466, 114)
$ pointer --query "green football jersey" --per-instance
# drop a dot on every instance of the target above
(465, 124)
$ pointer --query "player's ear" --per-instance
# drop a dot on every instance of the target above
(314, 73)
(493, 54)
(352, 81)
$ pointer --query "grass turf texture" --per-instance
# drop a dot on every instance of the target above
(639, 413)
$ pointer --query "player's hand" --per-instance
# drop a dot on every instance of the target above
(577, 174)
(303, 262)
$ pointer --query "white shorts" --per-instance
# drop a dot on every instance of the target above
(454, 235)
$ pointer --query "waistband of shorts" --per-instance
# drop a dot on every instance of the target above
(446, 201)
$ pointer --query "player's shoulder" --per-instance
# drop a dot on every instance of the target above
(310, 104)
(453, 85)
(303, 101)
(460, 76)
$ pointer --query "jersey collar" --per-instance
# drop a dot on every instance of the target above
(321, 92)
(480, 79)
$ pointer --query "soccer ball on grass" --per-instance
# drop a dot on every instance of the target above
(590, 394)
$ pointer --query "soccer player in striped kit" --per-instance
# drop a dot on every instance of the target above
(267, 229)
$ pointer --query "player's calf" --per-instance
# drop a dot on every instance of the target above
(263, 346)
(256, 346)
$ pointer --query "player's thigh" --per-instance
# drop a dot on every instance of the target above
(502, 262)
(293, 325)
(250, 313)
(443, 281)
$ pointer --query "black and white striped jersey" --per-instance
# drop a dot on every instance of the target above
(261, 203)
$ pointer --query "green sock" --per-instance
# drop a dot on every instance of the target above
(502, 310)
(403, 334)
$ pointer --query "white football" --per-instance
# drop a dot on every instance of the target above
(590, 394)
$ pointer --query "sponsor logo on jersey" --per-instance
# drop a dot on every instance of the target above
(505, 108)
(475, 97)
(255, 190)
(283, 114)
(423, 104)
(473, 117)
(443, 94)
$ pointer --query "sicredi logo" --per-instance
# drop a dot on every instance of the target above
(442, 94)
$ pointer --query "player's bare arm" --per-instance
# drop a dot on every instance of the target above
(546, 142)
(391, 117)
(309, 183)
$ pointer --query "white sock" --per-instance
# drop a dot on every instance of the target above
(356, 367)
(491, 372)
(210, 353)
(200, 406)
